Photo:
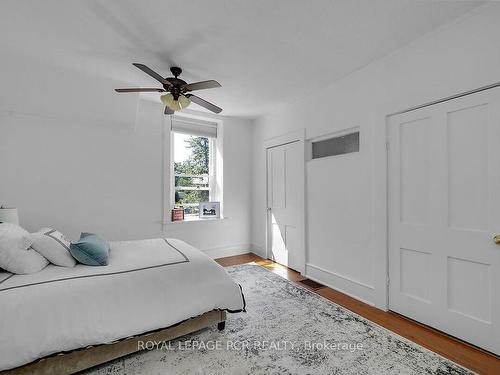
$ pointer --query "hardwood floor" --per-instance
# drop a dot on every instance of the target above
(458, 351)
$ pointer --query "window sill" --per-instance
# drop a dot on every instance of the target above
(194, 220)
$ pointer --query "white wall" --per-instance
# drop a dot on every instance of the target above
(97, 166)
(346, 195)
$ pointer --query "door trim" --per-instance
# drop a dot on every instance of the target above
(283, 139)
(292, 137)
(456, 96)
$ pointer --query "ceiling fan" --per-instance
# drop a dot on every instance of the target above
(178, 91)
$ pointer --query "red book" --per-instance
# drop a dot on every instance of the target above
(177, 214)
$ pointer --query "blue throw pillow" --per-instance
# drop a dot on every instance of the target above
(90, 249)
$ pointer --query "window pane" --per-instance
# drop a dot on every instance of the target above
(191, 154)
(336, 146)
(190, 199)
(191, 169)
(190, 182)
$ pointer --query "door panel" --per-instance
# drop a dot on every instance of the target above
(278, 240)
(415, 269)
(444, 204)
(285, 205)
(468, 161)
(469, 296)
(278, 192)
(415, 171)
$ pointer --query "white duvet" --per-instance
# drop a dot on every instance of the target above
(148, 284)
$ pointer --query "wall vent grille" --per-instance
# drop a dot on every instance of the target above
(338, 145)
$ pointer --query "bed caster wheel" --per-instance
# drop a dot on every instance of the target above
(221, 326)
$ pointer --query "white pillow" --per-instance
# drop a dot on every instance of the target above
(16, 256)
(53, 246)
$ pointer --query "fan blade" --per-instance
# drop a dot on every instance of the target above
(201, 85)
(152, 73)
(204, 103)
(140, 90)
(168, 111)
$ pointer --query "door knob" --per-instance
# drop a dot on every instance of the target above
(496, 239)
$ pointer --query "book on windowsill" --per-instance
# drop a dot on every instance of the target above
(178, 213)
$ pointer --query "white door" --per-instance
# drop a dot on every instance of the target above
(444, 209)
(285, 197)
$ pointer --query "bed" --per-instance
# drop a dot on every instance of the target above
(161, 287)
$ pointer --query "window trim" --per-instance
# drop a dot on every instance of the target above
(211, 175)
(212, 172)
(215, 167)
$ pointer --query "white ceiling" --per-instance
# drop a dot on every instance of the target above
(261, 51)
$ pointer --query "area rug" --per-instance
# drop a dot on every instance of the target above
(287, 329)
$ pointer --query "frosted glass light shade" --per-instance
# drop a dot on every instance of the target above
(175, 105)
(184, 101)
(9, 215)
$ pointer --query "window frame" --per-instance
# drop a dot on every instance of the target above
(212, 170)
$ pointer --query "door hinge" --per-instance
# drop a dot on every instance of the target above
(387, 280)
(387, 146)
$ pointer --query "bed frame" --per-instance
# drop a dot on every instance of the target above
(81, 359)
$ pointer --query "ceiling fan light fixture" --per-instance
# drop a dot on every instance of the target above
(184, 101)
(175, 105)
(178, 92)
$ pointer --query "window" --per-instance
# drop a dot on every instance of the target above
(194, 172)
(339, 145)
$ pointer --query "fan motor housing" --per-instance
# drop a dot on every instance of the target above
(177, 83)
(176, 71)
(176, 88)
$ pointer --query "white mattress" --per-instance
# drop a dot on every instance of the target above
(148, 284)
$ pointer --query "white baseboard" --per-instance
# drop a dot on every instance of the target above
(344, 284)
(257, 250)
(227, 251)
(353, 288)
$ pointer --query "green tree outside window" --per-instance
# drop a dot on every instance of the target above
(192, 186)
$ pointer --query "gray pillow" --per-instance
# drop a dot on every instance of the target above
(90, 249)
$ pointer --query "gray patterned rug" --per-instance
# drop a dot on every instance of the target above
(286, 330)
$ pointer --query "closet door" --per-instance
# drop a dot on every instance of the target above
(444, 213)
(285, 194)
